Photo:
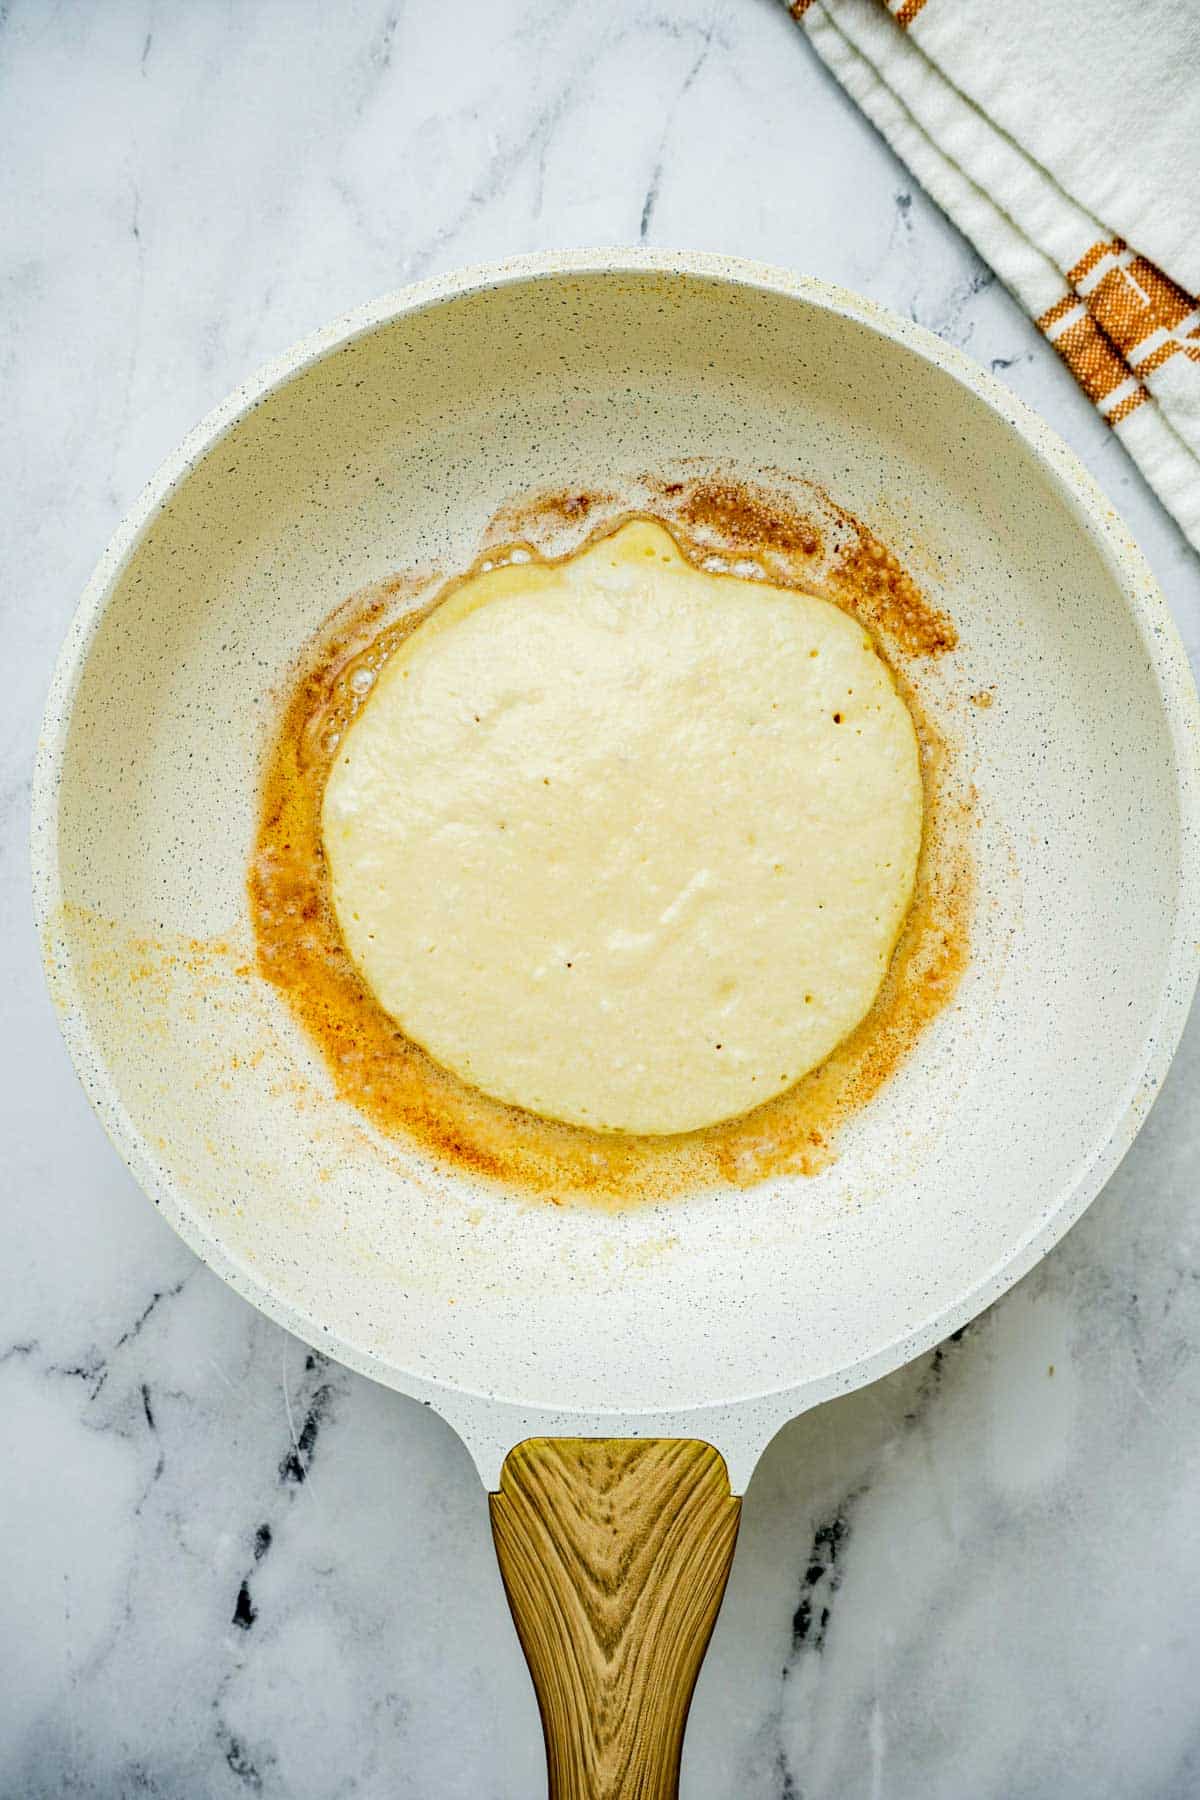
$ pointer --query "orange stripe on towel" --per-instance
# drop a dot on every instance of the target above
(1059, 310)
(1096, 364)
(1123, 408)
(1131, 303)
(1090, 258)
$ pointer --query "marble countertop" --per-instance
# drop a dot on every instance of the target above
(233, 1569)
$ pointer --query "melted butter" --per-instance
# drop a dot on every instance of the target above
(382, 1071)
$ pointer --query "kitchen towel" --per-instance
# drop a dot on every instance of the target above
(1063, 139)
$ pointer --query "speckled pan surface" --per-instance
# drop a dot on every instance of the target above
(386, 443)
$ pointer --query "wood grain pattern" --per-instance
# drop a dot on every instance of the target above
(615, 1553)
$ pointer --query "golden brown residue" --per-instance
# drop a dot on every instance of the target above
(150, 967)
(570, 506)
(744, 519)
(871, 584)
(804, 539)
(393, 1082)
(983, 698)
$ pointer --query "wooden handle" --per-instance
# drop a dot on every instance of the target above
(615, 1553)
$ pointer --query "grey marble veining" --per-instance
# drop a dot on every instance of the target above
(234, 1569)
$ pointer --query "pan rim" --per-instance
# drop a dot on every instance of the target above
(1113, 541)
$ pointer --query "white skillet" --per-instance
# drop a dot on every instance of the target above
(386, 442)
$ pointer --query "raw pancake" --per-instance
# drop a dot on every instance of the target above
(625, 842)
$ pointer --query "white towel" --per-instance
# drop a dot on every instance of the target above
(1064, 140)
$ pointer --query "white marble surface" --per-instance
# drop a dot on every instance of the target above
(229, 1571)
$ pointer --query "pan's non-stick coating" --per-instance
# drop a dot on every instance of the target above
(388, 446)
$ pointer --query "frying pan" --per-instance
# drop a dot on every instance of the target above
(616, 1375)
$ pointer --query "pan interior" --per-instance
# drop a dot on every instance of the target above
(392, 452)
